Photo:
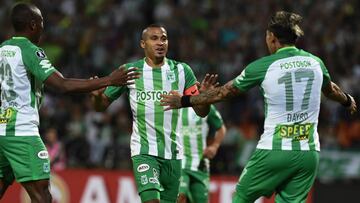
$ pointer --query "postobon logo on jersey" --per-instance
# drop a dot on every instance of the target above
(153, 95)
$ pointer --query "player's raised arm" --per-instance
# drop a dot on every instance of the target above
(210, 96)
(334, 92)
(118, 77)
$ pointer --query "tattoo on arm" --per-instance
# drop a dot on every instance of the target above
(217, 94)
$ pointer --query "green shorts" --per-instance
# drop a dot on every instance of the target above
(195, 185)
(157, 178)
(24, 157)
(290, 174)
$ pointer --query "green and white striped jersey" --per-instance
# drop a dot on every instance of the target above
(23, 69)
(155, 131)
(290, 81)
(194, 133)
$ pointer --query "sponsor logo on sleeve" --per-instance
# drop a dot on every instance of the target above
(143, 168)
(43, 154)
(40, 54)
(154, 180)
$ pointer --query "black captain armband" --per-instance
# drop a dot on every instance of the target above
(185, 101)
(348, 100)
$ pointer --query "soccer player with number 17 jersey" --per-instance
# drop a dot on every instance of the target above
(291, 81)
(156, 148)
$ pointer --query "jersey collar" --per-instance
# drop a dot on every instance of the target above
(286, 49)
(19, 38)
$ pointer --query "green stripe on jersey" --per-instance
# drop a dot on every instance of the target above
(186, 138)
(277, 139)
(175, 112)
(159, 113)
(295, 144)
(140, 109)
(311, 138)
(32, 93)
(10, 126)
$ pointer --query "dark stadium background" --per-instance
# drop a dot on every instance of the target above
(84, 38)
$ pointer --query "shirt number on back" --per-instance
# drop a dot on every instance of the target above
(309, 76)
(7, 83)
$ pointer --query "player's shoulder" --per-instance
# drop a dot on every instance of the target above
(28, 49)
(313, 56)
(138, 64)
(175, 63)
(262, 63)
(21, 42)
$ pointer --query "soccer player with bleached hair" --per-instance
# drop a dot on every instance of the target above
(291, 80)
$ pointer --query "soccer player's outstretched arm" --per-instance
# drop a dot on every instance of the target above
(334, 92)
(216, 94)
(118, 77)
(210, 96)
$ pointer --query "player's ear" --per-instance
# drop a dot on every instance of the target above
(33, 25)
(274, 39)
(142, 44)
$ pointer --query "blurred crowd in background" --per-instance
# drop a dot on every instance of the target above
(84, 38)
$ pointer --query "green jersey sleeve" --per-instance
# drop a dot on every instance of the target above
(190, 78)
(114, 92)
(214, 119)
(251, 76)
(36, 61)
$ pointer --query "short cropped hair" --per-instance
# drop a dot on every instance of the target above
(154, 25)
(21, 15)
(285, 26)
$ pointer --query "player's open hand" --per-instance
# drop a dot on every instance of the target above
(121, 76)
(210, 152)
(353, 107)
(208, 83)
(171, 100)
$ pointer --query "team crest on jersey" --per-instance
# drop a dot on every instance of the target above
(46, 167)
(170, 76)
(144, 180)
(40, 54)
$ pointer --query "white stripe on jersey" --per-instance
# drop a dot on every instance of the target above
(168, 114)
(181, 86)
(135, 137)
(149, 111)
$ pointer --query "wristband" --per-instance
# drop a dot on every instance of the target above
(185, 101)
(348, 100)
